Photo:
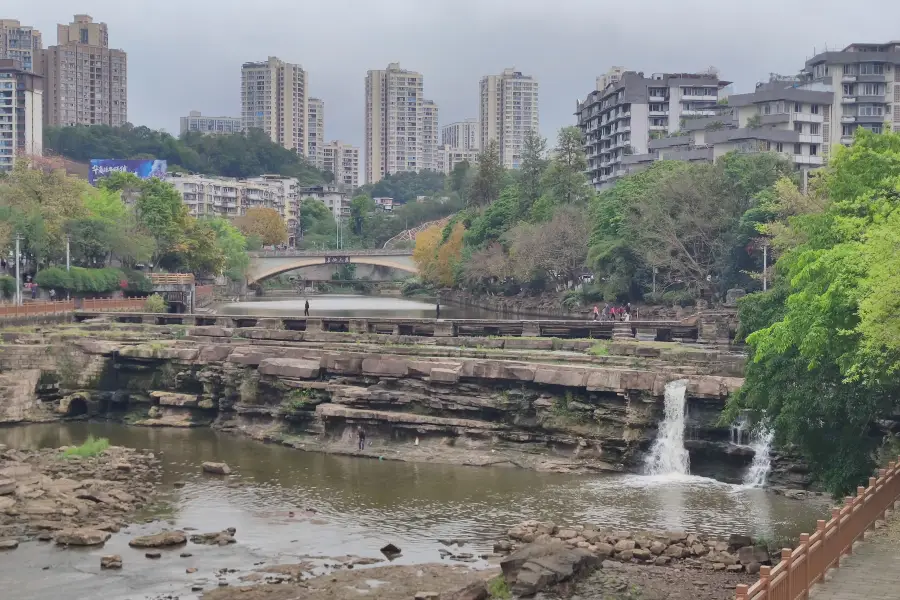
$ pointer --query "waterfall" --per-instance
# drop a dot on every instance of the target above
(761, 442)
(739, 429)
(668, 455)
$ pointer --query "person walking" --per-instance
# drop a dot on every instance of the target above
(596, 312)
(52, 294)
(605, 315)
(437, 309)
(306, 309)
(361, 435)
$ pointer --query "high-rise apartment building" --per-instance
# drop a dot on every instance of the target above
(430, 136)
(509, 109)
(316, 127)
(274, 99)
(85, 82)
(619, 118)
(465, 135)
(21, 122)
(21, 43)
(210, 125)
(397, 116)
(449, 157)
(343, 161)
(864, 80)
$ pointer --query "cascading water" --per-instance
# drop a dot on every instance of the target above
(761, 442)
(668, 455)
(740, 429)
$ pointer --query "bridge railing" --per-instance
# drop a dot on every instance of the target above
(806, 565)
(172, 278)
(312, 253)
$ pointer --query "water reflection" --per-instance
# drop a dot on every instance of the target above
(348, 305)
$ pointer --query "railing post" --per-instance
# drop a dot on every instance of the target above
(788, 570)
(804, 543)
(741, 591)
(765, 575)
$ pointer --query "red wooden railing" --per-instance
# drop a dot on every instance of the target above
(203, 295)
(64, 306)
(806, 565)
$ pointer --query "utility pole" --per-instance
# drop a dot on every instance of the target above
(18, 275)
(765, 266)
(68, 255)
(655, 270)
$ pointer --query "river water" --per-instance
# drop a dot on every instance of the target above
(360, 504)
(349, 305)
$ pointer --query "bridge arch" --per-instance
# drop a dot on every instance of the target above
(261, 272)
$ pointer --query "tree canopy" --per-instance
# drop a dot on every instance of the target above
(264, 223)
(236, 155)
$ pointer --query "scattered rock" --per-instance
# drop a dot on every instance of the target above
(7, 486)
(111, 561)
(474, 591)
(190, 570)
(185, 555)
(753, 568)
(216, 468)
(81, 537)
(391, 551)
(180, 484)
(426, 596)
(162, 539)
(196, 588)
(536, 567)
(736, 542)
(503, 546)
(734, 568)
(220, 538)
(9, 544)
(753, 554)
(153, 555)
(45, 537)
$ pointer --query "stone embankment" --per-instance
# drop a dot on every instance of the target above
(73, 500)
(737, 553)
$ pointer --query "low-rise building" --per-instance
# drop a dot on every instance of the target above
(21, 113)
(333, 197)
(210, 125)
(449, 157)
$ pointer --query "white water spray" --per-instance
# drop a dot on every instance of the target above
(761, 442)
(668, 455)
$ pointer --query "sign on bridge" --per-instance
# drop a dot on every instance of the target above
(331, 260)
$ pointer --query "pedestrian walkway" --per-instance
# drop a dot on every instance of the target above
(871, 572)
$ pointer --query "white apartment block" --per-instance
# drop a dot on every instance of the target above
(864, 82)
(396, 123)
(21, 107)
(274, 99)
(620, 118)
(85, 81)
(316, 127)
(332, 196)
(430, 136)
(462, 134)
(195, 122)
(21, 43)
(449, 157)
(342, 160)
(509, 109)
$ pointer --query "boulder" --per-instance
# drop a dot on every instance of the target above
(675, 551)
(624, 545)
(736, 542)
(175, 399)
(7, 486)
(641, 554)
(625, 555)
(753, 554)
(81, 537)
(734, 568)
(446, 376)
(676, 536)
(604, 550)
(111, 561)
(502, 546)
(473, 591)
(657, 548)
(536, 567)
(216, 468)
(426, 596)
(567, 534)
(292, 368)
(753, 568)
(162, 539)
(9, 544)
(153, 554)
(218, 538)
(391, 551)
(662, 561)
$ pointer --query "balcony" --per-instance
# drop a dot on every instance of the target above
(846, 140)
(659, 113)
(848, 119)
(656, 98)
(804, 159)
(707, 98)
(848, 79)
(809, 118)
(848, 100)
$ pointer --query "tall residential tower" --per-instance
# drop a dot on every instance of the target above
(399, 123)
(21, 126)
(274, 99)
(21, 43)
(85, 81)
(316, 127)
(509, 108)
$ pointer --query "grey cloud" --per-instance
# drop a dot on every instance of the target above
(186, 54)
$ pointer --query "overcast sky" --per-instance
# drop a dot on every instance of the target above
(186, 54)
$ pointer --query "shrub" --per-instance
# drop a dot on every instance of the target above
(7, 287)
(80, 280)
(91, 447)
(155, 304)
(138, 283)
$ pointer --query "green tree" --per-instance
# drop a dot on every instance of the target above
(406, 186)
(564, 178)
(534, 162)
(233, 246)
(265, 223)
(489, 178)
(361, 207)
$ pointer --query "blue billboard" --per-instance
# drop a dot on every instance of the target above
(143, 168)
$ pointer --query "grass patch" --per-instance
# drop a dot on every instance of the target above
(499, 589)
(297, 400)
(91, 447)
(600, 348)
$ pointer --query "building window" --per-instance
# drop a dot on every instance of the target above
(814, 129)
(814, 109)
(813, 149)
(779, 147)
(848, 89)
(871, 69)
(798, 108)
(798, 127)
(798, 149)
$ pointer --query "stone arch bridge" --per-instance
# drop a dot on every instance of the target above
(269, 263)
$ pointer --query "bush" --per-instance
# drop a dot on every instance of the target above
(92, 447)
(7, 287)
(155, 304)
(138, 283)
(80, 280)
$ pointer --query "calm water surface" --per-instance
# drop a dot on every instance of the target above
(348, 305)
(361, 505)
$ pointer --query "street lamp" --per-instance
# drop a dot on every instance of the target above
(18, 275)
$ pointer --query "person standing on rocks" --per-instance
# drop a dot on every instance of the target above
(437, 309)
(361, 434)
(306, 309)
